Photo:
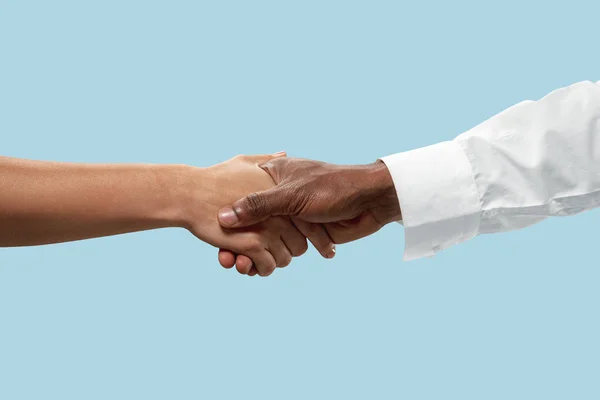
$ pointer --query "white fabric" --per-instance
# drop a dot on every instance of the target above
(534, 160)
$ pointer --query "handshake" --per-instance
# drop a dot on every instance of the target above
(260, 210)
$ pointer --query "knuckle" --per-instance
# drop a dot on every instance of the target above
(267, 165)
(270, 167)
(252, 244)
(301, 249)
(313, 228)
(285, 261)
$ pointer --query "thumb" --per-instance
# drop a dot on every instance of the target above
(252, 209)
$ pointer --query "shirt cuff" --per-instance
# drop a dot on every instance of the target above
(438, 197)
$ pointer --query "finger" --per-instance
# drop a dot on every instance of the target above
(254, 208)
(245, 263)
(318, 236)
(226, 258)
(281, 254)
(293, 239)
(253, 271)
(243, 267)
(264, 262)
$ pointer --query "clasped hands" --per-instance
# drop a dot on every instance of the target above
(272, 204)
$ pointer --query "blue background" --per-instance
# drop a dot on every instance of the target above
(152, 315)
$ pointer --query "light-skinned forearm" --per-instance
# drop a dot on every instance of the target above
(49, 202)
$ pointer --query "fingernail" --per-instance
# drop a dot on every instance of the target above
(279, 154)
(331, 254)
(227, 216)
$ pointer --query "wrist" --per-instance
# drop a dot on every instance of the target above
(382, 199)
(176, 183)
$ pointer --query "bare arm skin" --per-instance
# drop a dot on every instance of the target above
(50, 202)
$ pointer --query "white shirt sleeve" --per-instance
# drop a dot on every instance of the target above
(534, 160)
